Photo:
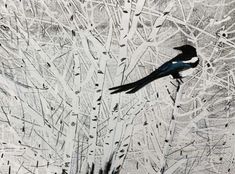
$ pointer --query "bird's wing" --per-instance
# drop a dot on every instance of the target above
(172, 67)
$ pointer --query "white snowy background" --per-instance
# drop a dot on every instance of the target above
(59, 57)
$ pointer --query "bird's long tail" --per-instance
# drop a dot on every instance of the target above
(135, 86)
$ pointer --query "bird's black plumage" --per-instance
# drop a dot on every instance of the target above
(183, 62)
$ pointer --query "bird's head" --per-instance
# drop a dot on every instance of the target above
(187, 49)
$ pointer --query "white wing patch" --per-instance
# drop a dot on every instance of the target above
(193, 60)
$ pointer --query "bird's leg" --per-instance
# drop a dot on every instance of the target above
(179, 81)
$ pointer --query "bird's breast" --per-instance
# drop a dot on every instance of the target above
(186, 72)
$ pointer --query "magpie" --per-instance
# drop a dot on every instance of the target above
(180, 66)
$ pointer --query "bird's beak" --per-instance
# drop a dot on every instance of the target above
(177, 48)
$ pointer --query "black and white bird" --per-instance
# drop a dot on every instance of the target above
(180, 66)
